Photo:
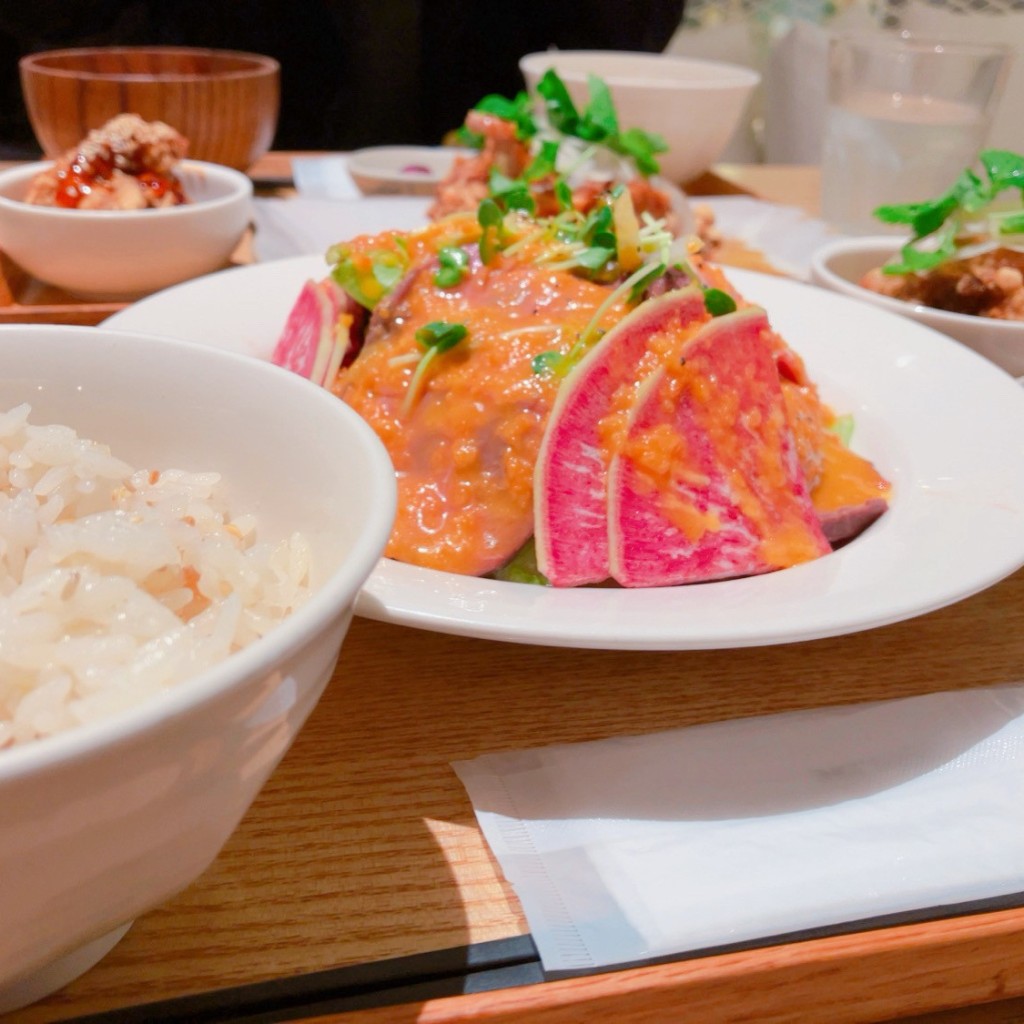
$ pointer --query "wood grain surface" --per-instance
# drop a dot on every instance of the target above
(363, 845)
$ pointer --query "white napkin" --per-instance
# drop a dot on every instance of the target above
(307, 227)
(324, 177)
(641, 847)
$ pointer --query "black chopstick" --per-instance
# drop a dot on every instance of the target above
(480, 967)
(461, 970)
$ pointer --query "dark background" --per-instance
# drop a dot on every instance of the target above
(353, 72)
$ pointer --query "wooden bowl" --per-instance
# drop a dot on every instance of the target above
(225, 103)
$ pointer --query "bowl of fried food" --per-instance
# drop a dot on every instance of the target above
(960, 271)
(121, 213)
(225, 102)
(179, 570)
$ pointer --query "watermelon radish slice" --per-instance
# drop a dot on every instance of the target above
(708, 484)
(317, 336)
(570, 490)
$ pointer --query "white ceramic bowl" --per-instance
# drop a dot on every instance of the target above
(401, 170)
(103, 822)
(695, 105)
(841, 264)
(122, 254)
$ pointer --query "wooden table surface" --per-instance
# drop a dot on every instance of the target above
(363, 845)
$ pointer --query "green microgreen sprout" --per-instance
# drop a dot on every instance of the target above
(434, 338)
(510, 193)
(545, 161)
(491, 218)
(937, 224)
(590, 334)
(563, 194)
(453, 262)
(718, 303)
(545, 362)
(518, 110)
(598, 123)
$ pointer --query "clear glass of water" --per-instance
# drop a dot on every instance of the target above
(905, 117)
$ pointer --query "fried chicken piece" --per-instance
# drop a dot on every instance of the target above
(465, 187)
(128, 164)
(988, 284)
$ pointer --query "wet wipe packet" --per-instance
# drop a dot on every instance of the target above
(639, 848)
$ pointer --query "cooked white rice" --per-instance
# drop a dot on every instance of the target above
(117, 583)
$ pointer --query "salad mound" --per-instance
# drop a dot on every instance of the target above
(578, 397)
(541, 151)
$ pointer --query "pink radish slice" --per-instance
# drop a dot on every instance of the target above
(311, 343)
(708, 485)
(570, 492)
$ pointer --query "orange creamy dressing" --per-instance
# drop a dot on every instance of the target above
(837, 476)
(466, 448)
(465, 451)
(846, 478)
(659, 351)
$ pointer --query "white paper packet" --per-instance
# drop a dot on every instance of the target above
(640, 847)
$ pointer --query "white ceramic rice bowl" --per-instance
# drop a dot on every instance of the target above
(695, 105)
(840, 265)
(104, 822)
(114, 255)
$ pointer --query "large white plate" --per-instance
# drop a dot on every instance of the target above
(944, 425)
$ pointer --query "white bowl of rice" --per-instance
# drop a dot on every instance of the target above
(183, 533)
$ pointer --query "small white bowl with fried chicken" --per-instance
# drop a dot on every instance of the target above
(122, 214)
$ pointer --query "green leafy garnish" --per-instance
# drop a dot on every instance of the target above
(453, 262)
(598, 122)
(436, 337)
(545, 362)
(642, 147)
(543, 164)
(491, 218)
(597, 257)
(938, 224)
(558, 103)
(514, 193)
(718, 303)
(510, 193)
(517, 110)
(439, 336)
(599, 119)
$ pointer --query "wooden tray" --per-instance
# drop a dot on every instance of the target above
(24, 300)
